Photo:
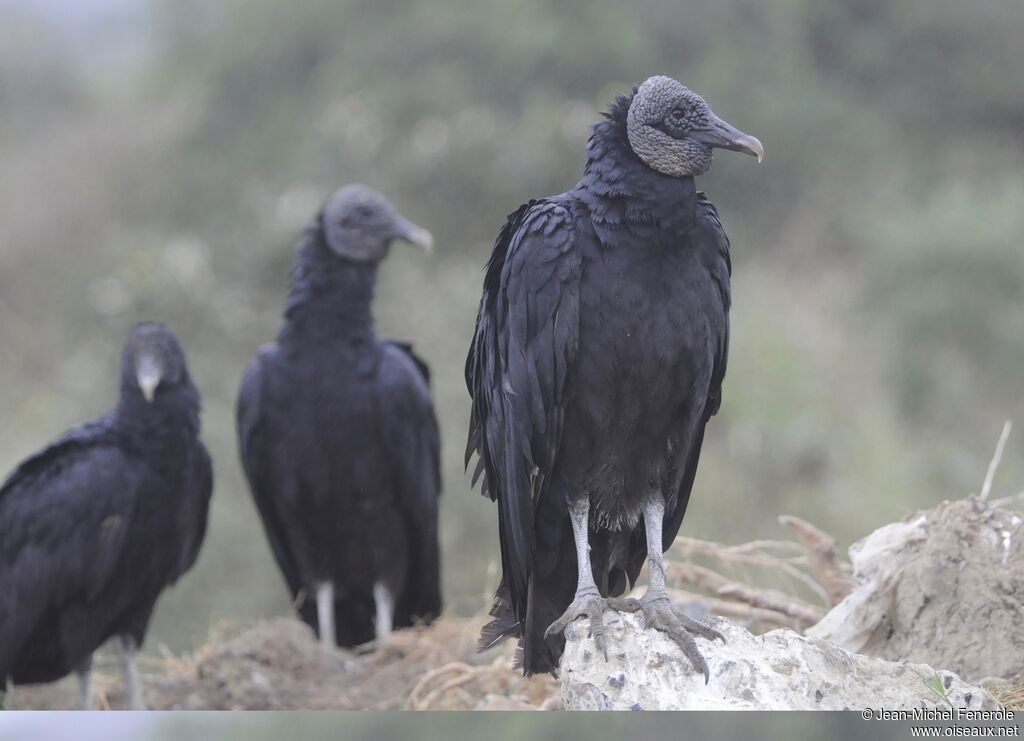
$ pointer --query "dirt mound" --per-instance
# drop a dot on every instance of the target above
(279, 665)
(944, 587)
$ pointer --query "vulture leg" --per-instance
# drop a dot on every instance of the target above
(385, 605)
(588, 601)
(655, 604)
(325, 614)
(84, 674)
(132, 681)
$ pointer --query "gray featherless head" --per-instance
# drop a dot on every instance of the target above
(152, 358)
(673, 130)
(359, 224)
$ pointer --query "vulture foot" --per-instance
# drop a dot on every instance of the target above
(590, 604)
(658, 613)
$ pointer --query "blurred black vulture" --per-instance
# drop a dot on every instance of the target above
(338, 437)
(94, 527)
(598, 358)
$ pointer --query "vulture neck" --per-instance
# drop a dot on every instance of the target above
(330, 297)
(627, 199)
(170, 422)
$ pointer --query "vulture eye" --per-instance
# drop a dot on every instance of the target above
(678, 115)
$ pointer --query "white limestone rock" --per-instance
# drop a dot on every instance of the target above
(780, 670)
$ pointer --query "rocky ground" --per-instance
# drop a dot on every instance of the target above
(937, 596)
(780, 670)
(279, 665)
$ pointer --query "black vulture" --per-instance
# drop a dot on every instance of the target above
(95, 526)
(338, 437)
(598, 358)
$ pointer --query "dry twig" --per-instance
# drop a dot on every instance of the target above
(755, 553)
(733, 610)
(768, 599)
(809, 565)
(997, 456)
(824, 558)
(1010, 500)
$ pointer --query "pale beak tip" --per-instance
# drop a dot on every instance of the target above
(148, 389)
(148, 382)
(753, 145)
(423, 238)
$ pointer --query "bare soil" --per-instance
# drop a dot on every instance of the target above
(279, 665)
(959, 599)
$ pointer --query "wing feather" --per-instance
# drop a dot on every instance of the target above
(410, 428)
(720, 269)
(522, 355)
(65, 516)
(255, 450)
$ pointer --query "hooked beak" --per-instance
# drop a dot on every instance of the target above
(720, 134)
(413, 234)
(147, 373)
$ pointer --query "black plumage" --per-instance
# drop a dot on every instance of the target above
(598, 358)
(339, 440)
(94, 527)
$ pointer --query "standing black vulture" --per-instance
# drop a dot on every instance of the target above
(598, 358)
(95, 526)
(339, 440)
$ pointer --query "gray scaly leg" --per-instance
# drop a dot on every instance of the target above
(325, 614)
(655, 604)
(132, 680)
(84, 674)
(385, 605)
(588, 601)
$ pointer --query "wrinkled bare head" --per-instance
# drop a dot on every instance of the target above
(673, 130)
(360, 224)
(152, 360)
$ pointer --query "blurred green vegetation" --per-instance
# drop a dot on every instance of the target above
(164, 165)
(384, 726)
(545, 726)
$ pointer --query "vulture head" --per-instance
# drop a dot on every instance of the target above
(672, 130)
(152, 359)
(360, 224)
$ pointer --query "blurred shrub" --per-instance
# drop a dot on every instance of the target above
(945, 278)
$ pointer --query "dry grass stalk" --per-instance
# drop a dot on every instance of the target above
(756, 554)
(458, 685)
(768, 599)
(463, 672)
(824, 558)
(733, 610)
(732, 577)
(1010, 696)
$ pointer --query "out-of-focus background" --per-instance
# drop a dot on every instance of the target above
(441, 727)
(159, 158)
